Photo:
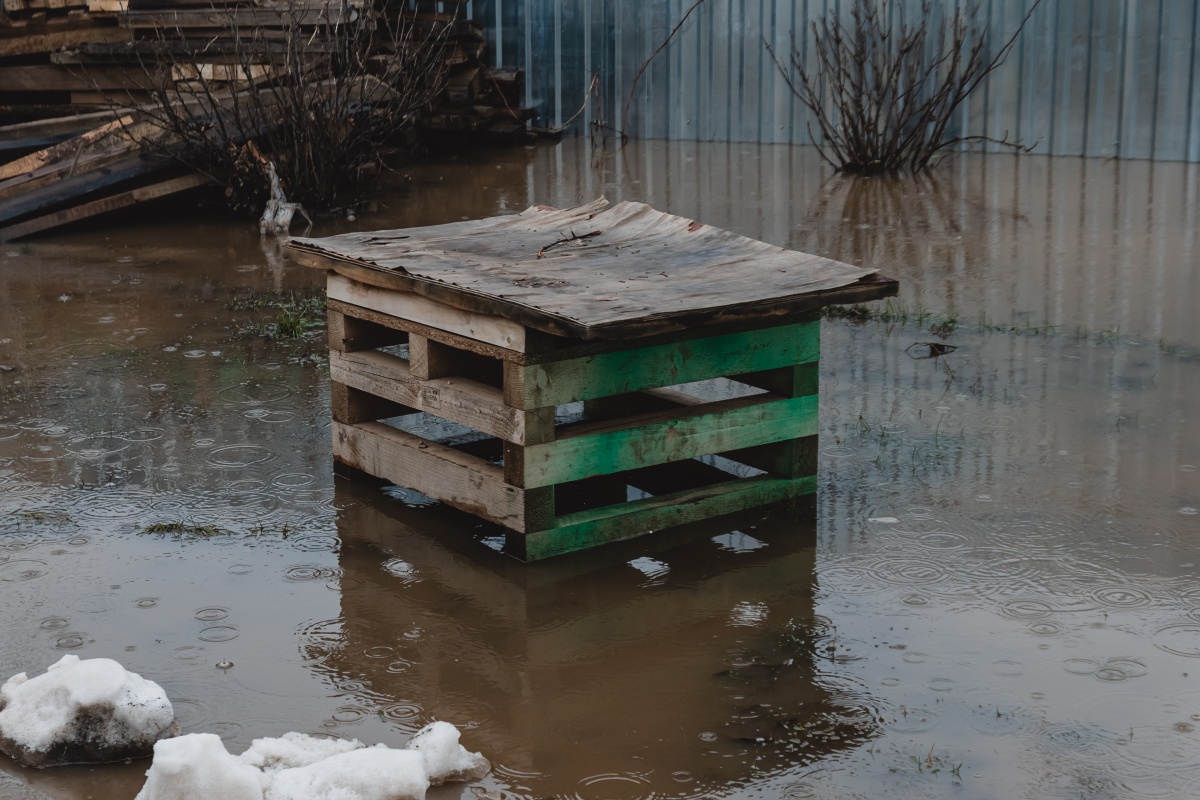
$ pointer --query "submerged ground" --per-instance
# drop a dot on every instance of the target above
(998, 597)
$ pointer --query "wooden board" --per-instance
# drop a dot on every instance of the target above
(75, 187)
(55, 78)
(70, 148)
(603, 448)
(51, 35)
(594, 273)
(485, 328)
(555, 383)
(225, 19)
(408, 326)
(457, 479)
(457, 399)
(612, 523)
(101, 206)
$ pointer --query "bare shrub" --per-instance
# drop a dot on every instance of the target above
(319, 90)
(886, 84)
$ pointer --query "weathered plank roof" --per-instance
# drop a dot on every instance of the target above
(594, 273)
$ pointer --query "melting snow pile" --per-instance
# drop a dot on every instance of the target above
(300, 767)
(82, 711)
(95, 711)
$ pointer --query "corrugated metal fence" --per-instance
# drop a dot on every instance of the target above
(1097, 78)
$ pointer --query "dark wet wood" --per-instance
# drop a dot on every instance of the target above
(104, 205)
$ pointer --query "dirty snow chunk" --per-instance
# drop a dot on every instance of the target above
(197, 767)
(372, 773)
(294, 750)
(445, 758)
(82, 711)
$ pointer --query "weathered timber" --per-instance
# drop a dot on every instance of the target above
(643, 440)
(406, 327)
(689, 360)
(78, 164)
(588, 273)
(103, 206)
(481, 327)
(76, 186)
(45, 132)
(68, 149)
(53, 35)
(224, 19)
(457, 479)
(54, 78)
(612, 523)
(460, 400)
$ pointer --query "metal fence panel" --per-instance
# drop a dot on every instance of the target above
(1087, 77)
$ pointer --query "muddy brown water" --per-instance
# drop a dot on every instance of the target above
(998, 597)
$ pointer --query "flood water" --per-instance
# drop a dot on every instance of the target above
(997, 599)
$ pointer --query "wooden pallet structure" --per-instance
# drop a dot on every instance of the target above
(617, 372)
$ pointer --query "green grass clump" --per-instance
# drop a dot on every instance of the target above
(297, 313)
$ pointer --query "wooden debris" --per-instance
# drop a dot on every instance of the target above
(72, 147)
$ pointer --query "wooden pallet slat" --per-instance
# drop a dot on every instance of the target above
(612, 523)
(457, 399)
(661, 437)
(491, 329)
(601, 375)
(457, 479)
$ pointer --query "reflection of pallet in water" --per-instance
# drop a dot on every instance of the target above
(716, 641)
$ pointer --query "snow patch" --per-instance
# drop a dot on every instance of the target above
(372, 773)
(296, 766)
(82, 711)
(197, 767)
(445, 758)
(294, 750)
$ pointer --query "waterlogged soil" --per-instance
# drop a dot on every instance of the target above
(997, 597)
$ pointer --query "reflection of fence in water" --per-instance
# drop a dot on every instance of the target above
(586, 665)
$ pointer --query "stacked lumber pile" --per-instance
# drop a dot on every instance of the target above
(69, 69)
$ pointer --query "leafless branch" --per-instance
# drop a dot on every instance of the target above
(884, 90)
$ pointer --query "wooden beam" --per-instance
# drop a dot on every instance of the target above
(53, 78)
(460, 400)
(102, 206)
(327, 14)
(603, 448)
(57, 127)
(406, 305)
(623, 521)
(70, 189)
(603, 374)
(67, 167)
(457, 479)
(67, 149)
(388, 321)
(43, 40)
